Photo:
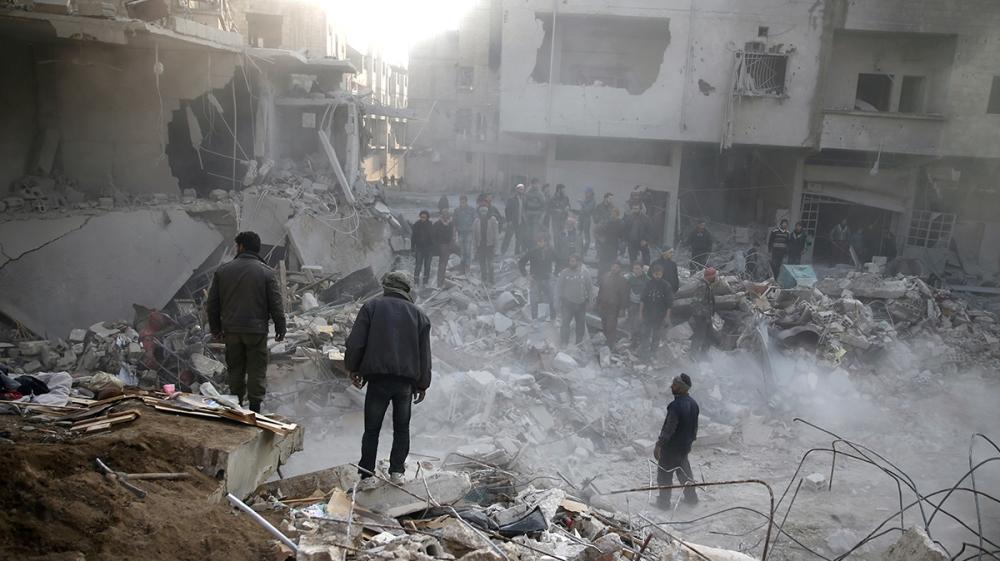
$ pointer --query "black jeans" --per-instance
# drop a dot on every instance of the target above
(649, 339)
(670, 463)
(636, 250)
(703, 335)
(577, 313)
(423, 259)
(777, 259)
(381, 392)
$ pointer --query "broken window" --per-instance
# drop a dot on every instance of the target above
(930, 229)
(264, 30)
(912, 95)
(613, 150)
(993, 107)
(874, 92)
(759, 73)
(465, 77)
(609, 51)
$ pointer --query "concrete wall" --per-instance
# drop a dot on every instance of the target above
(689, 96)
(303, 25)
(105, 104)
(969, 130)
(18, 129)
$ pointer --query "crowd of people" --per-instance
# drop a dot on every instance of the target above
(550, 238)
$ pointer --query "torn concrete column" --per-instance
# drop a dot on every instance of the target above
(444, 488)
(338, 170)
(245, 457)
(56, 274)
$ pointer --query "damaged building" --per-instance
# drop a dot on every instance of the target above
(134, 150)
(812, 111)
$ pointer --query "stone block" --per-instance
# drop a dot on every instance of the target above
(564, 362)
(77, 335)
(680, 332)
(501, 322)
(32, 348)
(815, 482)
(446, 487)
(506, 302)
(914, 545)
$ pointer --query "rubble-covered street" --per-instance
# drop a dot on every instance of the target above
(772, 224)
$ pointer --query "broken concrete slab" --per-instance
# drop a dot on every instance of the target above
(244, 457)
(914, 545)
(444, 487)
(564, 362)
(266, 215)
(502, 323)
(354, 286)
(680, 332)
(330, 244)
(116, 259)
(340, 477)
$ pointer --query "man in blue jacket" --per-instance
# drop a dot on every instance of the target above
(389, 349)
(680, 430)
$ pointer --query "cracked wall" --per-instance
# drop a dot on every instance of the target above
(702, 39)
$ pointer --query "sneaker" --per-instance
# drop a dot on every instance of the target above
(396, 478)
(369, 483)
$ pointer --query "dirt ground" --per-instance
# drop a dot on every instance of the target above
(55, 505)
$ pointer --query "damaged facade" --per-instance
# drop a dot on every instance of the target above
(134, 151)
(805, 110)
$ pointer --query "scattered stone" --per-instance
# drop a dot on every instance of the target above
(206, 366)
(446, 487)
(680, 332)
(815, 482)
(506, 302)
(309, 301)
(502, 323)
(564, 362)
(841, 540)
(605, 357)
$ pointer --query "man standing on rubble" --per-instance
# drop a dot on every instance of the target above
(541, 259)
(777, 246)
(465, 217)
(608, 234)
(485, 231)
(243, 297)
(534, 211)
(389, 349)
(666, 261)
(703, 333)
(587, 207)
(700, 241)
(654, 308)
(612, 297)
(444, 240)
(797, 244)
(679, 431)
(568, 241)
(638, 231)
(637, 280)
(838, 239)
(574, 291)
(558, 209)
(422, 245)
(515, 221)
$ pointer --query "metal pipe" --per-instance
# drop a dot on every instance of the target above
(263, 523)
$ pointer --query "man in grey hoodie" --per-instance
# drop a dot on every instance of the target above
(574, 291)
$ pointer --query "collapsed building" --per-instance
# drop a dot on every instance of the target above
(881, 112)
(134, 151)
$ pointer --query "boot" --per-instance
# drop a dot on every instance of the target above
(255, 405)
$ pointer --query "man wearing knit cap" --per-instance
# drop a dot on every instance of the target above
(701, 314)
(680, 430)
(389, 349)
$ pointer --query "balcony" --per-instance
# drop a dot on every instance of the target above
(900, 133)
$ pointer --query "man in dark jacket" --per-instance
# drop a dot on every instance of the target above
(444, 242)
(243, 297)
(422, 245)
(700, 241)
(777, 246)
(515, 221)
(666, 261)
(465, 217)
(608, 234)
(701, 314)
(389, 349)
(657, 298)
(542, 260)
(638, 231)
(558, 209)
(797, 244)
(612, 298)
(680, 430)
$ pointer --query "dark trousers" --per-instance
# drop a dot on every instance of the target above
(794, 258)
(444, 252)
(485, 254)
(703, 335)
(671, 463)
(541, 291)
(649, 336)
(609, 324)
(380, 394)
(577, 313)
(777, 258)
(585, 229)
(698, 261)
(635, 251)
(246, 361)
(423, 260)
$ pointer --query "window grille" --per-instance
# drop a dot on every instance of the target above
(930, 229)
(760, 74)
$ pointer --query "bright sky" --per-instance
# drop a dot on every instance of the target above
(394, 25)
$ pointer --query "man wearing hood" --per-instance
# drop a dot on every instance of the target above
(485, 231)
(389, 349)
(515, 221)
(679, 431)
